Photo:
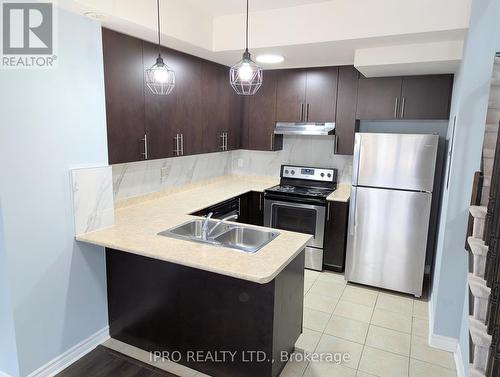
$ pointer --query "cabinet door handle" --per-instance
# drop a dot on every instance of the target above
(301, 111)
(336, 141)
(176, 145)
(396, 107)
(260, 202)
(271, 147)
(403, 103)
(145, 140)
(225, 141)
(328, 212)
(307, 112)
(221, 141)
(182, 144)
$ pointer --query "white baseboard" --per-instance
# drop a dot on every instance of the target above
(444, 343)
(441, 342)
(64, 360)
(459, 362)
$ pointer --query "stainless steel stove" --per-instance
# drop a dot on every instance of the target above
(298, 204)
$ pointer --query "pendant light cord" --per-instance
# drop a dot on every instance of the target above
(246, 38)
(158, 12)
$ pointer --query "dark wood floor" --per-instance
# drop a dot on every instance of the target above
(104, 362)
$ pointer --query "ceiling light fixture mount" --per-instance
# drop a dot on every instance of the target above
(246, 76)
(160, 78)
(270, 59)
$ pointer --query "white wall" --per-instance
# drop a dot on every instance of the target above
(469, 106)
(8, 349)
(52, 121)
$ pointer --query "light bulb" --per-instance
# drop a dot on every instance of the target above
(161, 75)
(245, 72)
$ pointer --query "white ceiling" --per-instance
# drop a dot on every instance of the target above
(306, 32)
(223, 7)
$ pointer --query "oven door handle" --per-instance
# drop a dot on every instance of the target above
(295, 205)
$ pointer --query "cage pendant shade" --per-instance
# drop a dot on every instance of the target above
(245, 76)
(160, 78)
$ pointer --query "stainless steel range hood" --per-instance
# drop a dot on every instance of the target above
(289, 128)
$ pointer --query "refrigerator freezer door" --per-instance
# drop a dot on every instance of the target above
(387, 238)
(399, 161)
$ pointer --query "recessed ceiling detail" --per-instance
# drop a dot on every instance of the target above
(308, 32)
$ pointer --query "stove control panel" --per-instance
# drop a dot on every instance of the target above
(312, 174)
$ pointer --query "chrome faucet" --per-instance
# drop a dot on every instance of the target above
(231, 217)
(204, 227)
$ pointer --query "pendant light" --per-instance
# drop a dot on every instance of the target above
(160, 78)
(246, 76)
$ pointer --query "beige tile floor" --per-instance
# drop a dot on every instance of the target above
(385, 333)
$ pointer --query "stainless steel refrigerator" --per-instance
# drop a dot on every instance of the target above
(390, 207)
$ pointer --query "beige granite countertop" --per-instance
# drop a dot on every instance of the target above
(341, 194)
(138, 222)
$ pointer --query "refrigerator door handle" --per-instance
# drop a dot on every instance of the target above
(355, 162)
(352, 211)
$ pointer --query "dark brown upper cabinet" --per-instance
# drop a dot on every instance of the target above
(124, 85)
(345, 123)
(321, 94)
(235, 108)
(291, 95)
(184, 112)
(409, 98)
(426, 97)
(259, 117)
(216, 105)
(378, 98)
(172, 121)
(307, 95)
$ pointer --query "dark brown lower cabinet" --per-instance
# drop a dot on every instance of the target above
(191, 314)
(251, 208)
(336, 236)
(254, 212)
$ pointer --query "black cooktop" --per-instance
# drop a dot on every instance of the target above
(302, 191)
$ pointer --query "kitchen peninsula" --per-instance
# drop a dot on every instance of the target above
(168, 295)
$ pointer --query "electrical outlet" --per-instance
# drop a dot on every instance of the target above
(163, 174)
(240, 162)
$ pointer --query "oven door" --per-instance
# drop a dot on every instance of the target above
(296, 217)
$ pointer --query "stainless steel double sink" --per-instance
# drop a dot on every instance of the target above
(243, 238)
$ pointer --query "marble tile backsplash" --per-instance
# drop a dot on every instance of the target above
(144, 177)
(316, 151)
(93, 204)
